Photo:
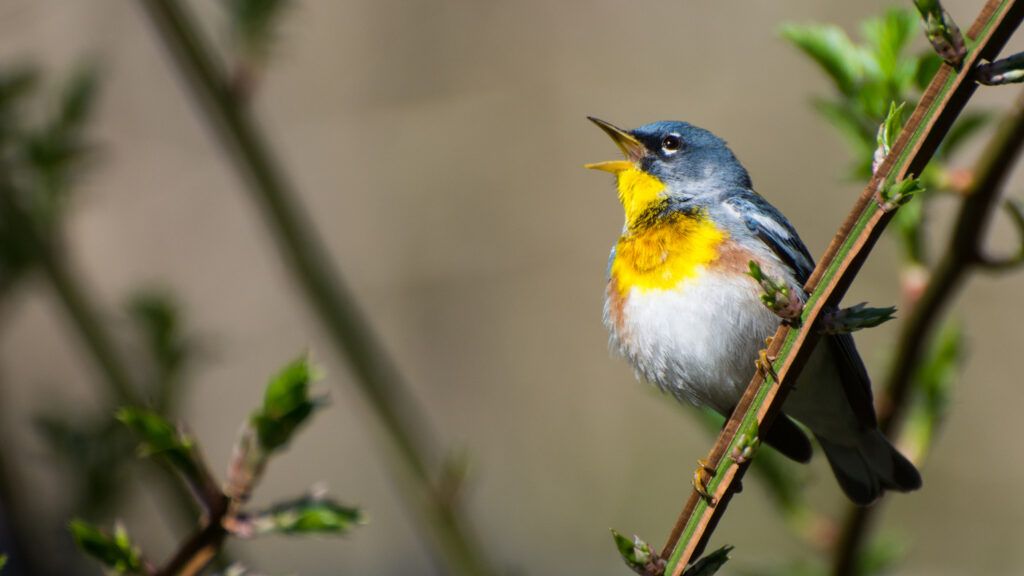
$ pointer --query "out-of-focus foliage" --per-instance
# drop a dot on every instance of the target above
(868, 77)
(115, 551)
(159, 438)
(933, 386)
(254, 24)
(878, 82)
(42, 149)
(312, 514)
(170, 350)
(286, 405)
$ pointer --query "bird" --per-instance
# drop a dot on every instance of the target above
(682, 308)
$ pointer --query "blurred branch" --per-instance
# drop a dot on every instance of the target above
(14, 522)
(37, 166)
(287, 405)
(378, 379)
(945, 97)
(963, 255)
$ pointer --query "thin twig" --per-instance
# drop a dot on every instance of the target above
(388, 394)
(941, 103)
(963, 256)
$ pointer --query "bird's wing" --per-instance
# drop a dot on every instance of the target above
(771, 227)
(775, 231)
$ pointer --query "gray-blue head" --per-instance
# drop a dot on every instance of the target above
(689, 160)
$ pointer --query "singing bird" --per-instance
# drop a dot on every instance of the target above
(681, 307)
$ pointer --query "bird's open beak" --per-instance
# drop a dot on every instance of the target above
(631, 148)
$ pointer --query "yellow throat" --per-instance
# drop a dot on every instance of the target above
(666, 251)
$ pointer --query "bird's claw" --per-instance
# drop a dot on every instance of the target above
(764, 361)
(701, 476)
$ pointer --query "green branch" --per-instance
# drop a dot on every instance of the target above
(386, 391)
(942, 102)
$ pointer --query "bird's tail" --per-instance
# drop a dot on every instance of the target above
(871, 466)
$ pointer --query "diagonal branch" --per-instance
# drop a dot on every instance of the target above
(962, 256)
(942, 102)
(388, 394)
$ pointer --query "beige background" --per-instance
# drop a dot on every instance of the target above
(438, 148)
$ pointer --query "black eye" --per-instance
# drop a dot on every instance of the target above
(671, 143)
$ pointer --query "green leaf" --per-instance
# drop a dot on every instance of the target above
(77, 101)
(857, 317)
(3, 561)
(928, 65)
(933, 386)
(858, 133)
(883, 553)
(115, 552)
(160, 438)
(832, 49)
(885, 39)
(710, 564)
(307, 515)
(907, 225)
(254, 23)
(286, 405)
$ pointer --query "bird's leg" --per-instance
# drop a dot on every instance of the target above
(764, 362)
(701, 476)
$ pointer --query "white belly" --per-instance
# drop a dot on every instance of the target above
(698, 340)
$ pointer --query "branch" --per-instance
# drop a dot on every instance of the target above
(945, 97)
(962, 256)
(86, 320)
(303, 252)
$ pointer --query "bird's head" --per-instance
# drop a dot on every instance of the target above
(669, 161)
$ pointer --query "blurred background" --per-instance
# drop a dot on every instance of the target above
(438, 148)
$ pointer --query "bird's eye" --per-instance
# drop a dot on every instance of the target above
(671, 143)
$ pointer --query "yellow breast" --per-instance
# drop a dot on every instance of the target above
(660, 256)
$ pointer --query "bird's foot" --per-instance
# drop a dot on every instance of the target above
(744, 449)
(701, 476)
(764, 362)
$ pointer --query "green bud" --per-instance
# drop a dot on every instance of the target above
(638, 555)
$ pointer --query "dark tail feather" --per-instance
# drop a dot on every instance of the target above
(789, 439)
(866, 470)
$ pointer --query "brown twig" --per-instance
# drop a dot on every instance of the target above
(963, 256)
(939, 106)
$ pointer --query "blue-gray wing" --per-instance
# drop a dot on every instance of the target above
(774, 230)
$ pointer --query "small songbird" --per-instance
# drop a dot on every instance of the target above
(681, 307)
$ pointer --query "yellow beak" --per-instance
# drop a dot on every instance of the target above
(631, 148)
